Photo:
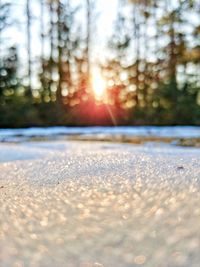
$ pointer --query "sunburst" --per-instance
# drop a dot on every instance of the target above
(98, 84)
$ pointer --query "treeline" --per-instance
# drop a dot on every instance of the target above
(152, 67)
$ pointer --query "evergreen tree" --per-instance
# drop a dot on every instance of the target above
(9, 81)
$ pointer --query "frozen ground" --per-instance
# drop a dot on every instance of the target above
(66, 204)
(143, 131)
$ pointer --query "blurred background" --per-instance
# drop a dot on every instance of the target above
(99, 62)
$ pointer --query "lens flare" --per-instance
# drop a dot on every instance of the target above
(98, 84)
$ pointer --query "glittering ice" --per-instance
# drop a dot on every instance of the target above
(97, 204)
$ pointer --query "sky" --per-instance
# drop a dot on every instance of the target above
(106, 10)
(17, 33)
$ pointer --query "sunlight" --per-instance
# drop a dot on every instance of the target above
(98, 84)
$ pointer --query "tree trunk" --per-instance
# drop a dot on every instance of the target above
(28, 29)
(88, 41)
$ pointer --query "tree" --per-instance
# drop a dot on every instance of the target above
(4, 17)
(115, 68)
(29, 41)
(9, 81)
(4, 23)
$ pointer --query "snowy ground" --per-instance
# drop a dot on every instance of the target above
(85, 204)
(143, 131)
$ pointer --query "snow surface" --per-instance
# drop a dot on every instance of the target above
(66, 204)
(174, 132)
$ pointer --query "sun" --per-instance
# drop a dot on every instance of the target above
(98, 84)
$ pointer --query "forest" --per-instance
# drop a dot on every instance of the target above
(146, 72)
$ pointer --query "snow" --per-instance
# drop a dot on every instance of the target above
(99, 204)
(142, 131)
